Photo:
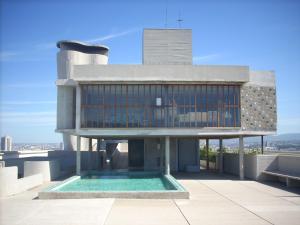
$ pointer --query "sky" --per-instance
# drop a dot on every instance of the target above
(262, 34)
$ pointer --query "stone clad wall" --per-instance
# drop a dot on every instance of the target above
(258, 108)
(258, 103)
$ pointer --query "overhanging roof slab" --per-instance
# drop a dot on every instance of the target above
(161, 73)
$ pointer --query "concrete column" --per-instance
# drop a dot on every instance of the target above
(98, 162)
(177, 154)
(198, 153)
(90, 154)
(78, 156)
(262, 144)
(221, 155)
(162, 156)
(78, 107)
(207, 159)
(241, 157)
(167, 155)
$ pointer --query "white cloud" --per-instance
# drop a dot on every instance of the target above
(52, 45)
(111, 36)
(29, 85)
(205, 58)
(27, 102)
(12, 55)
(8, 55)
(28, 118)
(45, 46)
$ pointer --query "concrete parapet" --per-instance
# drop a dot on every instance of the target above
(231, 163)
(256, 164)
(10, 184)
(49, 169)
(290, 164)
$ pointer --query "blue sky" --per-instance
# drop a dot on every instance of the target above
(262, 34)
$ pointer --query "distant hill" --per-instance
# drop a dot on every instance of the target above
(284, 137)
(288, 137)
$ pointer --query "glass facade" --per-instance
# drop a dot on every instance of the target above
(159, 105)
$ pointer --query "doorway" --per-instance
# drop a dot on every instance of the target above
(136, 153)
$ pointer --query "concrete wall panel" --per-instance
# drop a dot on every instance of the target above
(258, 103)
(161, 73)
(167, 46)
(231, 163)
(289, 164)
(49, 169)
(152, 154)
(187, 152)
(65, 107)
(10, 184)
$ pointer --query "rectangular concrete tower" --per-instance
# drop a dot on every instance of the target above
(167, 46)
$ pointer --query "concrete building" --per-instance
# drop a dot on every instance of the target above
(164, 106)
(6, 143)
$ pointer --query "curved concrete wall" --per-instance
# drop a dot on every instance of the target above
(49, 169)
(66, 59)
(74, 53)
(70, 143)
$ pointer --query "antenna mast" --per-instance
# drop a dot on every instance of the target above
(179, 20)
(166, 18)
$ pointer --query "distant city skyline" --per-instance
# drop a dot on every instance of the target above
(262, 34)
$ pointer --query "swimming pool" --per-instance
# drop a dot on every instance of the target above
(117, 185)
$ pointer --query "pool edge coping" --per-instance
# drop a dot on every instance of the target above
(179, 193)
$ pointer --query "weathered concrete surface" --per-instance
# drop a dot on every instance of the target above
(161, 73)
(23, 209)
(167, 46)
(214, 199)
(10, 184)
(136, 212)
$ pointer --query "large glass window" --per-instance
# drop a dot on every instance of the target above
(154, 105)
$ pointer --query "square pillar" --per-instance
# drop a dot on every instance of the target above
(99, 163)
(78, 156)
(167, 155)
(90, 154)
(78, 108)
(162, 156)
(221, 155)
(241, 157)
(262, 145)
(207, 159)
(198, 153)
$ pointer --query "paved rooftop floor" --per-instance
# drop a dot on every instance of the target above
(213, 199)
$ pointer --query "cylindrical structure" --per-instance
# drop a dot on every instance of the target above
(74, 53)
(70, 143)
(77, 53)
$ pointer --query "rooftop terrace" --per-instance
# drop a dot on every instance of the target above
(213, 199)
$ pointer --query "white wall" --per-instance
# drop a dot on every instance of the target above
(10, 184)
(49, 169)
(66, 59)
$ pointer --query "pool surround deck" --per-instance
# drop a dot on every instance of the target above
(53, 193)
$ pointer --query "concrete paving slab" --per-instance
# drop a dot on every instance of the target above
(273, 188)
(58, 212)
(263, 201)
(216, 209)
(293, 199)
(24, 209)
(213, 200)
(196, 190)
(145, 212)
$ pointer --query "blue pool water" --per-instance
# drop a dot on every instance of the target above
(118, 182)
